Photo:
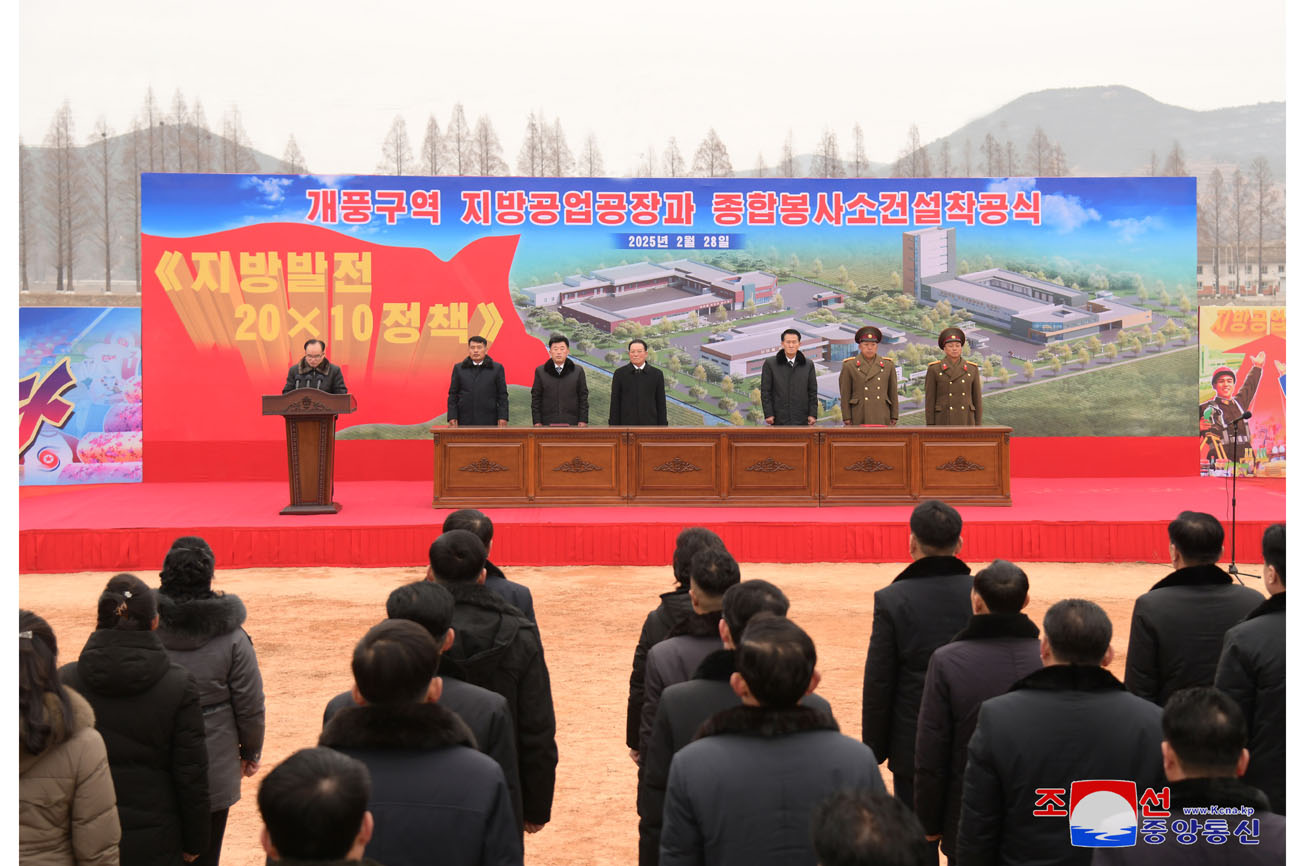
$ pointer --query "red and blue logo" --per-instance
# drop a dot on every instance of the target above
(1103, 813)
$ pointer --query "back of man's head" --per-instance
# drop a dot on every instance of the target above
(749, 597)
(1206, 730)
(864, 828)
(470, 519)
(1003, 586)
(1275, 549)
(424, 603)
(395, 662)
(713, 571)
(1078, 632)
(691, 540)
(314, 804)
(777, 659)
(1197, 536)
(457, 556)
(936, 526)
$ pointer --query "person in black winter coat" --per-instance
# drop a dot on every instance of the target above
(147, 710)
(1176, 632)
(497, 648)
(435, 797)
(998, 647)
(315, 371)
(478, 396)
(636, 396)
(789, 385)
(559, 388)
(919, 612)
(481, 525)
(1252, 671)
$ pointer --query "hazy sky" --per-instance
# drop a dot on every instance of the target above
(335, 74)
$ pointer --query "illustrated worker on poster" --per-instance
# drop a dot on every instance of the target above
(1223, 420)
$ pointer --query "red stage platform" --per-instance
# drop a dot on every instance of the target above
(128, 527)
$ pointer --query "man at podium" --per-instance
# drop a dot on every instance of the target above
(315, 371)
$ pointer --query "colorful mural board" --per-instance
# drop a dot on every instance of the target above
(1243, 370)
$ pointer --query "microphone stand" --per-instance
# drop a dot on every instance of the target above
(1232, 567)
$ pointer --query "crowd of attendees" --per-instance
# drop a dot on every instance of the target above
(1009, 742)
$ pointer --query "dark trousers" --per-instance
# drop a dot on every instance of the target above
(212, 857)
(904, 790)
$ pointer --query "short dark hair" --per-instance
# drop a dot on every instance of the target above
(187, 569)
(557, 338)
(1078, 630)
(478, 339)
(936, 525)
(865, 828)
(689, 541)
(308, 344)
(790, 331)
(424, 603)
(395, 662)
(1003, 586)
(743, 601)
(644, 344)
(1275, 549)
(126, 604)
(472, 519)
(314, 803)
(1206, 729)
(713, 571)
(777, 660)
(1197, 536)
(38, 676)
(457, 556)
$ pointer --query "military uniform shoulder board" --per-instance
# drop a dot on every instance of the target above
(940, 361)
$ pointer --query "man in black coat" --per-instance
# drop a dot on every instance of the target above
(315, 371)
(497, 647)
(478, 396)
(313, 806)
(1252, 671)
(983, 660)
(1176, 633)
(789, 385)
(919, 612)
(1222, 818)
(433, 791)
(484, 712)
(636, 396)
(1071, 721)
(481, 525)
(559, 388)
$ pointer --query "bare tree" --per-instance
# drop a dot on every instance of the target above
(1175, 163)
(132, 163)
(397, 157)
(532, 153)
(1010, 158)
(103, 180)
(1240, 221)
(786, 167)
(487, 149)
(235, 154)
(645, 163)
(1060, 168)
(1153, 167)
(760, 168)
(590, 163)
(180, 118)
(559, 159)
(293, 158)
(913, 160)
(1040, 153)
(150, 115)
(63, 195)
(945, 159)
(711, 159)
(1263, 199)
(202, 139)
(826, 162)
(858, 164)
(460, 146)
(674, 165)
(1209, 216)
(25, 207)
(967, 167)
(992, 153)
(433, 155)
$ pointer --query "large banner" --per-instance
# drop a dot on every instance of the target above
(1077, 295)
(80, 415)
(1242, 404)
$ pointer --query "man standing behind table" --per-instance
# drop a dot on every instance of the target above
(789, 385)
(868, 383)
(559, 388)
(315, 371)
(478, 396)
(636, 397)
(952, 385)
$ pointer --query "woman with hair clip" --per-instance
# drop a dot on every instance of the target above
(66, 810)
(203, 633)
(147, 710)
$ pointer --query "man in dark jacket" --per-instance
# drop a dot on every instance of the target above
(636, 396)
(919, 612)
(485, 713)
(497, 647)
(1176, 634)
(683, 707)
(559, 388)
(983, 660)
(315, 371)
(481, 525)
(433, 791)
(313, 807)
(789, 385)
(1252, 671)
(1213, 816)
(744, 791)
(1069, 722)
(478, 396)
(856, 828)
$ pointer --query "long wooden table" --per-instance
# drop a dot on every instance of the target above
(479, 466)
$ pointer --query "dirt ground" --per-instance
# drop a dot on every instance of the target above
(305, 622)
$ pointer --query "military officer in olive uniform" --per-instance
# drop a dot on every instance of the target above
(868, 383)
(952, 385)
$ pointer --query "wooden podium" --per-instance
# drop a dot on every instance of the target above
(309, 417)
